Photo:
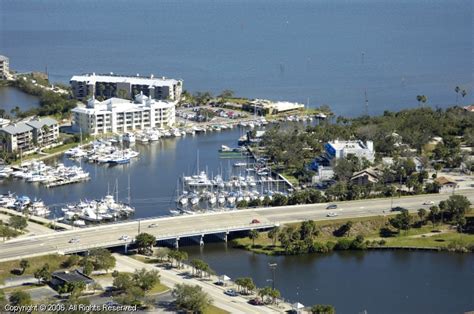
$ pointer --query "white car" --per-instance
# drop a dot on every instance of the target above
(428, 203)
(74, 240)
(332, 215)
(152, 225)
(124, 238)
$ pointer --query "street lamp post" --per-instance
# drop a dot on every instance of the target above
(273, 267)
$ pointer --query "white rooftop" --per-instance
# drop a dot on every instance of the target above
(122, 105)
(134, 80)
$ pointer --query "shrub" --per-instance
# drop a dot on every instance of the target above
(343, 244)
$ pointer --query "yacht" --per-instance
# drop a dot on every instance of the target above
(5, 172)
(194, 199)
(22, 203)
(37, 208)
(129, 137)
(7, 200)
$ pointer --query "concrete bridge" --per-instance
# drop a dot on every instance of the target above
(177, 229)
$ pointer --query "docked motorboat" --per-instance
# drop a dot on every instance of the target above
(129, 137)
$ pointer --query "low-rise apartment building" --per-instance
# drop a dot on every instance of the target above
(26, 135)
(116, 115)
(109, 86)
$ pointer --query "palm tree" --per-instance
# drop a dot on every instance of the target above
(253, 235)
(457, 90)
(273, 234)
(421, 99)
(463, 93)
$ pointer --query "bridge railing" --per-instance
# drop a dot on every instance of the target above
(162, 237)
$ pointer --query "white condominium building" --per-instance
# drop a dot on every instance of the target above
(105, 86)
(116, 115)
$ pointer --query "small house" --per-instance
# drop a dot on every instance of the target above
(61, 278)
(446, 184)
(365, 177)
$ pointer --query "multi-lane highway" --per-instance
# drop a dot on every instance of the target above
(201, 224)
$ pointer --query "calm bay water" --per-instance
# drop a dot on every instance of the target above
(321, 52)
(153, 176)
(11, 97)
(292, 50)
(377, 281)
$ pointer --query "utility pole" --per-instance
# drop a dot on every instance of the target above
(273, 267)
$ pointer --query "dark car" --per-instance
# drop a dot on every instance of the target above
(397, 209)
(255, 221)
(332, 206)
(256, 301)
(219, 283)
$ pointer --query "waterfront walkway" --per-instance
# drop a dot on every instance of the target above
(171, 277)
(40, 220)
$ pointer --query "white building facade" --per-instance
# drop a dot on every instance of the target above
(27, 135)
(111, 85)
(341, 149)
(116, 115)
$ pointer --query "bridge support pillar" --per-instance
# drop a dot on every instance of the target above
(126, 248)
(225, 236)
(201, 241)
(176, 243)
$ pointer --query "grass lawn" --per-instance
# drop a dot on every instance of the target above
(54, 262)
(289, 176)
(369, 227)
(158, 288)
(21, 288)
(214, 310)
(440, 240)
(147, 260)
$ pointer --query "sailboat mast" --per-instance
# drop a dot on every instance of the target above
(129, 196)
(116, 190)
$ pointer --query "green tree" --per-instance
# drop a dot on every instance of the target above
(457, 206)
(401, 221)
(101, 259)
(146, 280)
(273, 234)
(72, 260)
(434, 213)
(246, 284)
(123, 282)
(122, 93)
(88, 268)
(145, 242)
(323, 309)
(20, 298)
(308, 230)
(253, 235)
(43, 273)
(242, 204)
(422, 99)
(422, 213)
(191, 298)
(132, 296)
(18, 222)
(24, 264)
